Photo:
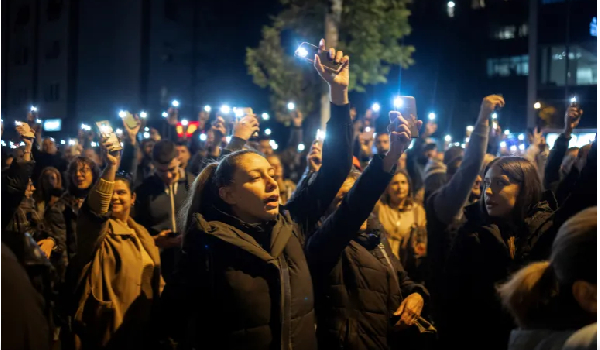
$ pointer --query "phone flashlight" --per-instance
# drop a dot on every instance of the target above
(33, 108)
(307, 52)
(175, 103)
(291, 106)
(376, 107)
(398, 102)
(143, 114)
(431, 116)
(301, 147)
(207, 109)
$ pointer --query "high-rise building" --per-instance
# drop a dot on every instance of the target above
(84, 60)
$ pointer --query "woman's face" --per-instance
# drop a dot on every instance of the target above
(122, 198)
(254, 194)
(52, 179)
(398, 188)
(82, 177)
(500, 193)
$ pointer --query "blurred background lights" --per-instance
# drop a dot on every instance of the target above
(184, 122)
(537, 105)
(143, 114)
(267, 131)
(431, 116)
(265, 116)
(502, 144)
(122, 113)
(203, 137)
(376, 107)
(175, 103)
(301, 147)
(225, 109)
(165, 114)
(521, 137)
(513, 148)
(448, 138)
(302, 52)
(207, 109)
(398, 102)
(291, 105)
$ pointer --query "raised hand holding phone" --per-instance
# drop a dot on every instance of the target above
(338, 82)
(246, 127)
(400, 138)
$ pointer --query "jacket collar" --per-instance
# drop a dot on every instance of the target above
(274, 234)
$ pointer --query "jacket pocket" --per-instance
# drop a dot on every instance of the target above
(97, 320)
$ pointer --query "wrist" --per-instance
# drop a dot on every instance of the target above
(338, 96)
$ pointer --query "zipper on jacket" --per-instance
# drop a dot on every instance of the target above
(286, 301)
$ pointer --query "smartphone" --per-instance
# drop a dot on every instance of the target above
(408, 108)
(129, 120)
(307, 52)
(106, 131)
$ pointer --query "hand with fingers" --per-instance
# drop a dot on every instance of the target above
(314, 157)
(400, 137)
(489, 104)
(165, 240)
(409, 310)
(173, 116)
(112, 156)
(297, 118)
(132, 131)
(246, 127)
(572, 118)
(338, 82)
(218, 127)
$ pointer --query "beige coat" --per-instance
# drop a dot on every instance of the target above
(117, 267)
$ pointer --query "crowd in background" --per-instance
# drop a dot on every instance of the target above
(365, 240)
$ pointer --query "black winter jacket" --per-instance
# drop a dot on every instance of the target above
(480, 258)
(359, 283)
(242, 286)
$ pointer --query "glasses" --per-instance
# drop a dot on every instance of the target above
(83, 170)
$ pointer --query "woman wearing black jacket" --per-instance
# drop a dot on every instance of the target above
(359, 284)
(243, 281)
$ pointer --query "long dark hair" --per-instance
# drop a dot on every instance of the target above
(205, 189)
(43, 191)
(72, 170)
(523, 172)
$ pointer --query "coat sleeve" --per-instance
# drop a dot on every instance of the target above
(57, 227)
(310, 203)
(129, 160)
(14, 184)
(407, 285)
(326, 245)
(552, 171)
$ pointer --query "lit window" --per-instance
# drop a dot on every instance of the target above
(477, 4)
(504, 33)
(508, 66)
(582, 65)
(523, 30)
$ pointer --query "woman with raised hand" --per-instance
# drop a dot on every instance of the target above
(551, 299)
(359, 284)
(243, 281)
(116, 267)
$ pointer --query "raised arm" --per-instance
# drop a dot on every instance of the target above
(450, 199)
(325, 246)
(128, 162)
(561, 145)
(309, 204)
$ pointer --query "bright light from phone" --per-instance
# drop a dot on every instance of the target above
(431, 116)
(522, 147)
(146, 135)
(291, 106)
(451, 4)
(33, 108)
(122, 114)
(463, 145)
(143, 114)
(146, 129)
(267, 131)
(573, 99)
(275, 146)
(537, 105)
(506, 132)
(301, 147)
(85, 127)
(398, 102)
(175, 103)
(467, 139)
(376, 107)
(302, 52)
(203, 137)
(39, 121)
(265, 116)
(119, 131)
(320, 135)
(62, 142)
(368, 129)
(494, 115)
(207, 109)
(225, 109)
(94, 144)
(184, 122)
(71, 142)
(470, 128)
(227, 139)
(513, 148)
(502, 144)
(494, 125)
(165, 114)
(448, 138)
(521, 137)
(239, 112)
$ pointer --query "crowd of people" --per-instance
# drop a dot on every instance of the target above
(359, 242)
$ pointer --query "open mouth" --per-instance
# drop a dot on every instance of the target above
(272, 200)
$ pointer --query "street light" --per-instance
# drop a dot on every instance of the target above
(265, 116)
(291, 106)
(207, 109)
(376, 107)
(537, 105)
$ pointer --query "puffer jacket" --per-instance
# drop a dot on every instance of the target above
(241, 286)
(482, 256)
(359, 283)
